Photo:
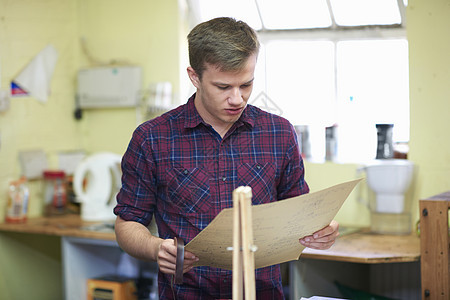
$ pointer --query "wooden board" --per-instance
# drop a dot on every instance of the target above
(435, 244)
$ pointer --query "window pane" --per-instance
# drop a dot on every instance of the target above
(244, 10)
(300, 81)
(294, 14)
(300, 78)
(373, 88)
(366, 12)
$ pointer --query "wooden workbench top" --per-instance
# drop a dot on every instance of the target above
(358, 247)
(370, 248)
(65, 225)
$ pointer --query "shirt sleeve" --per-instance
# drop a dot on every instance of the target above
(136, 198)
(292, 179)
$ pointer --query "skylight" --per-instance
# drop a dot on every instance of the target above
(303, 14)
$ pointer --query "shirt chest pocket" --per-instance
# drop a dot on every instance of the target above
(188, 189)
(261, 178)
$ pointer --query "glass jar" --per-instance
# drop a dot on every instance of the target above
(55, 192)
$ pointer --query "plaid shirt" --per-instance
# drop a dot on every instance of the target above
(180, 170)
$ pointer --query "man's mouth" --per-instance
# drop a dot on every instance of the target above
(234, 111)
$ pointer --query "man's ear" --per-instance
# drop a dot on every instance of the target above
(193, 77)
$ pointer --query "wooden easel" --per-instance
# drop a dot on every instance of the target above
(243, 248)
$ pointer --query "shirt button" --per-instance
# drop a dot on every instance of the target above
(258, 166)
(185, 171)
(224, 178)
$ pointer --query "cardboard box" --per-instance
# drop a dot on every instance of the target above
(111, 288)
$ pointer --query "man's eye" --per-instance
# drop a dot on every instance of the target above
(223, 87)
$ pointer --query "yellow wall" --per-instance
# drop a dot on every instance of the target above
(429, 54)
(145, 33)
(141, 32)
(26, 28)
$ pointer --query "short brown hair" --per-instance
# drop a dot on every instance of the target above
(222, 42)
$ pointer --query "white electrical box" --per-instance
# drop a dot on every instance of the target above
(109, 87)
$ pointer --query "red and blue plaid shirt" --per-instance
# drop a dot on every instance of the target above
(180, 170)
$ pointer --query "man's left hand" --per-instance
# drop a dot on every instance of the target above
(322, 239)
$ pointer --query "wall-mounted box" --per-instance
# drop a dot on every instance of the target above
(101, 87)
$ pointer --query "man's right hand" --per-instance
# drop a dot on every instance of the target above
(135, 239)
(167, 258)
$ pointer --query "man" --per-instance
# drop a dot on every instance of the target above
(183, 166)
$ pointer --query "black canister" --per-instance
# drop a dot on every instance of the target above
(385, 147)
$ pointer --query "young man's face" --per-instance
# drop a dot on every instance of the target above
(222, 96)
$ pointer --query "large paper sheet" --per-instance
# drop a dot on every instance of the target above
(37, 75)
(277, 228)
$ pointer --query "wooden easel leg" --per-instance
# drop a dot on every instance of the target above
(243, 248)
(247, 243)
(237, 254)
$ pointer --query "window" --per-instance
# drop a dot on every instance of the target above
(325, 63)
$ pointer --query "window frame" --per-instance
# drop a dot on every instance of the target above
(335, 34)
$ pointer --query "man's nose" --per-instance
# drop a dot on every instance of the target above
(235, 98)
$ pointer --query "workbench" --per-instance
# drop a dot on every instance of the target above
(387, 265)
(93, 250)
(89, 249)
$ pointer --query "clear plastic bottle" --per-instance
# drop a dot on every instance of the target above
(18, 196)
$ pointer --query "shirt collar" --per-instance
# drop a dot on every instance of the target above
(193, 118)
(248, 115)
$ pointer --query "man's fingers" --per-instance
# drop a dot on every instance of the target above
(319, 246)
(167, 258)
(332, 229)
(322, 239)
